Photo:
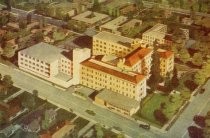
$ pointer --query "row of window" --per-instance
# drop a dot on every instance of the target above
(34, 59)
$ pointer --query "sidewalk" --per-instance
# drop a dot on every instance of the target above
(13, 96)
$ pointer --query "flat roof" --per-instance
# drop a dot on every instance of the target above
(115, 24)
(85, 17)
(107, 36)
(133, 77)
(156, 30)
(45, 52)
(118, 100)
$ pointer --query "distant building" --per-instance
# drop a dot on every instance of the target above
(166, 62)
(117, 102)
(91, 18)
(117, 8)
(157, 32)
(98, 75)
(105, 43)
(120, 23)
(114, 25)
(39, 1)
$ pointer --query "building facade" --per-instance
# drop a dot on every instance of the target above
(105, 43)
(45, 60)
(157, 32)
(139, 61)
(166, 62)
(98, 75)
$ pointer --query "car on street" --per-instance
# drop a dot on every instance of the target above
(202, 91)
(147, 127)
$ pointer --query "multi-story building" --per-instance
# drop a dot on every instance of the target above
(48, 61)
(45, 60)
(166, 62)
(157, 32)
(114, 25)
(139, 61)
(98, 75)
(106, 43)
(91, 18)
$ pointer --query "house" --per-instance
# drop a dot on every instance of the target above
(91, 18)
(50, 115)
(31, 123)
(10, 130)
(59, 130)
(11, 108)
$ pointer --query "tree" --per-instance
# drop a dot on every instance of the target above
(195, 132)
(96, 5)
(22, 24)
(7, 81)
(175, 80)
(168, 83)
(8, 4)
(203, 74)
(139, 4)
(197, 59)
(28, 18)
(199, 120)
(38, 36)
(160, 116)
(2, 117)
(99, 131)
(181, 3)
(155, 70)
(8, 50)
(35, 93)
(29, 101)
(120, 135)
(184, 55)
(4, 19)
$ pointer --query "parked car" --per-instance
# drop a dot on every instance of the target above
(90, 112)
(144, 126)
(202, 90)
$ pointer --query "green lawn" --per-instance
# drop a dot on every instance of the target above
(65, 115)
(153, 102)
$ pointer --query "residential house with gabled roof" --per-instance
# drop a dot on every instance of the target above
(61, 129)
